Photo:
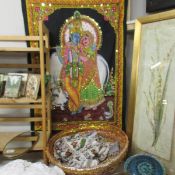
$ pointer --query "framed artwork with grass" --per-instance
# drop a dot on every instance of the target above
(152, 103)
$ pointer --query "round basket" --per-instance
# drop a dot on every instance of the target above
(111, 133)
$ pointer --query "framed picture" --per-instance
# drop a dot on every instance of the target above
(86, 38)
(12, 86)
(33, 84)
(157, 5)
(152, 103)
(24, 76)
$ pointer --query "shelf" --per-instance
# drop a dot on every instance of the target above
(18, 100)
(18, 49)
(20, 103)
(20, 119)
(41, 47)
(18, 151)
(7, 136)
(21, 106)
(20, 38)
(22, 49)
(36, 66)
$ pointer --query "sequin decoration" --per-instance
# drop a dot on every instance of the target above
(109, 166)
(112, 12)
(80, 41)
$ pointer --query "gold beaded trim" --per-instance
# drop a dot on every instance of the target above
(86, 19)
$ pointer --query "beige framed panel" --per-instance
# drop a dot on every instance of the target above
(150, 121)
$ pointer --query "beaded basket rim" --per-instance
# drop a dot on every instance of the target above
(102, 167)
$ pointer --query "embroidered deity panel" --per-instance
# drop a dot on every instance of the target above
(86, 40)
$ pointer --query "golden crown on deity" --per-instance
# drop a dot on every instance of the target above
(79, 23)
(76, 26)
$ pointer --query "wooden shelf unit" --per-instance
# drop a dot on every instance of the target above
(43, 102)
(5, 100)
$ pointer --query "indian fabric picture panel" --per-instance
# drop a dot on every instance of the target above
(86, 40)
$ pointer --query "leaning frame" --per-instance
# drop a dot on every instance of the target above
(135, 63)
(134, 83)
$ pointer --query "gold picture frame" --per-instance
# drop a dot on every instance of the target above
(151, 64)
(113, 12)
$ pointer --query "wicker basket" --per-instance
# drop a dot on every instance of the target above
(107, 167)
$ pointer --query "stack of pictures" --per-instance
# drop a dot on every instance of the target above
(15, 85)
(33, 85)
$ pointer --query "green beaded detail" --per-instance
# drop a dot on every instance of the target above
(77, 69)
(80, 67)
(74, 70)
(91, 94)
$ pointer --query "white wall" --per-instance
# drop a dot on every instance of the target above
(11, 18)
(138, 8)
(12, 23)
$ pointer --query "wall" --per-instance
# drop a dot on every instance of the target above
(12, 24)
(138, 8)
(11, 18)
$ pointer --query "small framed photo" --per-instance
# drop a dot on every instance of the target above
(12, 86)
(23, 82)
(33, 85)
(159, 5)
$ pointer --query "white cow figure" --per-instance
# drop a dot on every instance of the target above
(59, 96)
